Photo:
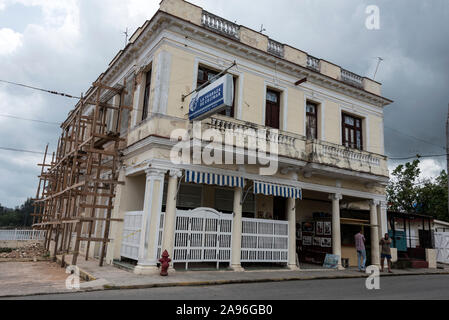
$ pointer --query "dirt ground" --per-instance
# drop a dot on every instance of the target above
(22, 278)
(26, 251)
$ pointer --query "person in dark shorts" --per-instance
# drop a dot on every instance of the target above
(361, 251)
(385, 244)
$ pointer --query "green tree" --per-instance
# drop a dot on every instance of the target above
(432, 197)
(17, 218)
(402, 190)
(406, 194)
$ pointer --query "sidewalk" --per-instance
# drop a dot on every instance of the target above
(37, 278)
(116, 278)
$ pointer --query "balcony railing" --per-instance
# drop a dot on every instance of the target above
(349, 154)
(297, 147)
(276, 48)
(351, 78)
(220, 25)
(313, 63)
(239, 126)
(339, 156)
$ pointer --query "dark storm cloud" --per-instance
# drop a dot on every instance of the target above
(69, 43)
(413, 39)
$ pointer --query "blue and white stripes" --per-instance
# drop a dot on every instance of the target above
(214, 179)
(277, 190)
(269, 189)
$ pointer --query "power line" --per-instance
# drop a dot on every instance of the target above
(413, 137)
(21, 150)
(27, 119)
(418, 156)
(40, 89)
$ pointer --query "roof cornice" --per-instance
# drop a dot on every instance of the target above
(163, 20)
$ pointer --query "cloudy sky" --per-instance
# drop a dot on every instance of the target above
(64, 45)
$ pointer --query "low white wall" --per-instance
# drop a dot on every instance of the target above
(431, 258)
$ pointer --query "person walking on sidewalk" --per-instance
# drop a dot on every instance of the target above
(385, 244)
(361, 250)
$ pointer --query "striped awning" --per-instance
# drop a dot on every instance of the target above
(214, 179)
(277, 190)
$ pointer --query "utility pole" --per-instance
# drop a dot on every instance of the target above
(447, 149)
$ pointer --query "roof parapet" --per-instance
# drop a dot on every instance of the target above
(194, 14)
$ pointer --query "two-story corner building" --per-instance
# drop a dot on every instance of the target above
(330, 149)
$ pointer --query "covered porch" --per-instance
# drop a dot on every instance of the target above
(233, 219)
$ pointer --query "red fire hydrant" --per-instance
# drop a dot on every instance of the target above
(165, 263)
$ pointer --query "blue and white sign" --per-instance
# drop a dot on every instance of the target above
(212, 99)
(331, 261)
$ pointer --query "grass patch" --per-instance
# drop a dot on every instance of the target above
(5, 250)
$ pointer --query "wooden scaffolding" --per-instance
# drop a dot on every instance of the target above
(76, 190)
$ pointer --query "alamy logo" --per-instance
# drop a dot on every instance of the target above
(230, 146)
(373, 20)
(373, 281)
(73, 280)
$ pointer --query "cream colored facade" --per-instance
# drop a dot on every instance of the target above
(170, 48)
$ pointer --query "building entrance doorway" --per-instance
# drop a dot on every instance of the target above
(279, 208)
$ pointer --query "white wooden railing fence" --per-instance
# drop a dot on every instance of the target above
(22, 235)
(264, 241)
(442, 246)
(205, 235)
(132, 226)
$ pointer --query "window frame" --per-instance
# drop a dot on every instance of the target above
(355, 128)
(207, 70)
(315, 115)
(146, 95)
(268, 115)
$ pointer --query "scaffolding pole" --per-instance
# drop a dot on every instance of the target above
(76, 191)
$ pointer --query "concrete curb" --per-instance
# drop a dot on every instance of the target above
(261, 280)
(99, 284)
(102, 284)
(83, 274)
(243, 281)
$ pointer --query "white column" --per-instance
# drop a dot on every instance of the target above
(375, 252)
(168, 242)
(291, 214)
(382, 219)
(152, 209)
(383, 222)
(336, 234)
(237, 231)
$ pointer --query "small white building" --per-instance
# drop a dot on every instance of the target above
(440, 226)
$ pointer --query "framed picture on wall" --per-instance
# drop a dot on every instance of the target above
(317, 241)
(308, 227)
(327, 228)
(320, 228)
(326, 242)
(307, 241)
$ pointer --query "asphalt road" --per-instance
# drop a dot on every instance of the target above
(405, 287)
